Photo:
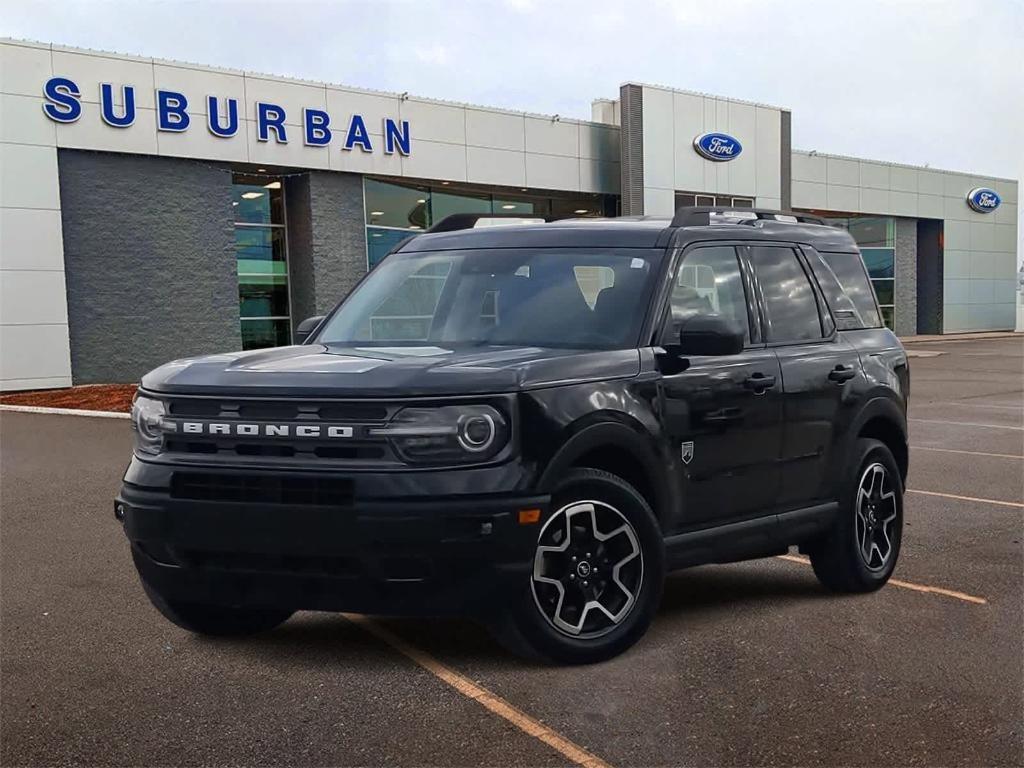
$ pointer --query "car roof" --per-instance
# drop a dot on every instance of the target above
(630, 232)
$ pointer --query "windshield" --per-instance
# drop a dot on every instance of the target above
(561, 297)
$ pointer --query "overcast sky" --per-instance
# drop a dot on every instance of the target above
(932, 82)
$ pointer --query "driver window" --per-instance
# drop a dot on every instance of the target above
(708, 282)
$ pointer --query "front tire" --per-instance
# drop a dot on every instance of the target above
(598, 574)
(216, 620)
(860, 552)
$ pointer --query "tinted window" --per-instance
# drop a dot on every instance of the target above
(849, 270)
(708, 282)
(559, 297)
(791, 309)
(847, 318)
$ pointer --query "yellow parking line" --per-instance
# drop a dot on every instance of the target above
(497, 705)
(908, 585)
(970, 453)
(968, 498)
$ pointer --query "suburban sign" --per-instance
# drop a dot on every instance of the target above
(63, 105)
(717, 146)
(983, 199)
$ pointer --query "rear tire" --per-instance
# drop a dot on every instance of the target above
(216, 620)
(598, 575)
(860, 552)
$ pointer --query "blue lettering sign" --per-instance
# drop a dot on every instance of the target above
(62, 100)
(63, 104)
(315, 122)
(170, 111)
(393, 137)
(983, 199)
(717, 146)
(357, 134)
(270, 116)
(107, 111)
(213, 118)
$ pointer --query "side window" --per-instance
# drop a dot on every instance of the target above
(708, 282)
(849, 270)
(790, 306)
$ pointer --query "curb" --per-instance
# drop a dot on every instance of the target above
(64, 411)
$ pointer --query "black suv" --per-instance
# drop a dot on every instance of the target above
(531, 425)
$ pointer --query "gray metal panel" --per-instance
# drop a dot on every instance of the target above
(786, 169)
(632, 149)
(149, 254)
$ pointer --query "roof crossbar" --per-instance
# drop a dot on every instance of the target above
(702, 215)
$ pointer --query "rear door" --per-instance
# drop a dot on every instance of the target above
(821, 372)
(722, 413)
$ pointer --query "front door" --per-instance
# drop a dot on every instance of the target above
(821, 374)
(722, 414)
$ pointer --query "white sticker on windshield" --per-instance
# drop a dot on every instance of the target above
(637, 264)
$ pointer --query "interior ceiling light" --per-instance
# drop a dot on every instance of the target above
(261, 170)
(272, 185)
(580, 210)
(508, 206)
(251, 195)
(422, 200)
(376, 213)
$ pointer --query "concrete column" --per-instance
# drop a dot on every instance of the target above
(906, 277)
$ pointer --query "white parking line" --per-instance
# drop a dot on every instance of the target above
(64, 411)
(1016, 408)
(967, 424)
(970, 453)
(968, 498)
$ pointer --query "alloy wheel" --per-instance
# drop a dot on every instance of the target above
(587, 570)
(876, 514)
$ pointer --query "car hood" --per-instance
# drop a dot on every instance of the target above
(405, 371)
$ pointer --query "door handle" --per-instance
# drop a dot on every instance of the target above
(759, 383)
(841, 373)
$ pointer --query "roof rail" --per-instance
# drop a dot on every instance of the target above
(458, 221)
(702, 215)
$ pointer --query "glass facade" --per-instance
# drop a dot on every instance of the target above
(396, 210)
(876, 236)
(261, 255)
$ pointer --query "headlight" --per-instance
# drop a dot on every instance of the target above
(147, 423)
(450, 433)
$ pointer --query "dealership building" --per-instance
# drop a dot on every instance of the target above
(153, 209)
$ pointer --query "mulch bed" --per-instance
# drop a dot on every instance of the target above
(93, 397)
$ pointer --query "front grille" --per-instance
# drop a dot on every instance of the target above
(261, 489)
(359, 416)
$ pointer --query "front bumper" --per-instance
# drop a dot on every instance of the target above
(455, 555)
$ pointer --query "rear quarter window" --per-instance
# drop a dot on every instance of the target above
(847, 269)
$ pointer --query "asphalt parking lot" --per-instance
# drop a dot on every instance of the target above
(748, 664)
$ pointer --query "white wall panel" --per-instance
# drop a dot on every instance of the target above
(198, 142)
(552, 137)
(487, 166)
(807, 194)
(290, 95)
(22, 121)
(659, 202)
(598, 142)
(435, 122)
(1004, 265)
(982, 236)
(435, 160)
(931, 182)
(34, 352)
(931, 206)
(30, 238)
(957, 235)
(982, 265)
(768, 148)
(89, 70)
(357, 161)
(903, 203)
(688, 117)
(810, 168)
(273, 152)
(903, 179)
(28, 177)
(659, 139)
(843, 172)
(342, 104)
(24, 67)
(552, 172)
(956, 264)
(875, 201)
(874, 175)
(598, 176)
(197, 84)
(32, 297)
(90, 132)
(842, 198)
(495, 130)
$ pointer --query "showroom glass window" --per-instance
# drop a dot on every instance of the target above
(396, 210)
(262, 259)
(876, 237)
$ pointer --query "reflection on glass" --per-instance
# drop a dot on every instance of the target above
(257, 334)
(888, 317)
(879, 261)
(379, 242)
(443, 204)
(263, 296)
(393, 205)
(791, 309)
(884, 291)
(255, 201)
(260, 250)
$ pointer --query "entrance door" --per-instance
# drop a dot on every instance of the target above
(722, 414)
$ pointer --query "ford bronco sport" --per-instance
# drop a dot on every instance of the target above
(531, 425)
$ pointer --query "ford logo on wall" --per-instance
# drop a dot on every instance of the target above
(718, 146)
(983, 199)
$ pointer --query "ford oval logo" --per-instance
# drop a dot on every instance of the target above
(983, 199)
(717, 146)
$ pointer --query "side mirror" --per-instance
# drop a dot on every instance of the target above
(306, 327)
(709, 335)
